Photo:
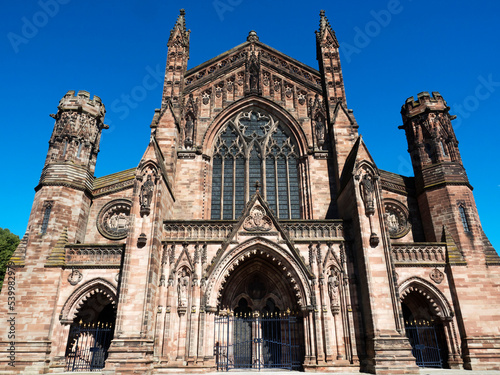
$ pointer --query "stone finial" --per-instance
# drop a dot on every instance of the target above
(252, 36)
(181, 21)
(323, 22)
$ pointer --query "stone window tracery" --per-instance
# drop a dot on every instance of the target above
(253, 146)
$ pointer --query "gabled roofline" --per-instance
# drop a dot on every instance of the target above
(242, 46)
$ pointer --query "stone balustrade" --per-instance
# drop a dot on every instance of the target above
(199, 231)
(106, 256)
(415, 254)
(218, 231)
(319, 230)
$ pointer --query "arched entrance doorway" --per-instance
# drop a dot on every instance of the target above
(91, 331)
(259, 324)
(424, 324)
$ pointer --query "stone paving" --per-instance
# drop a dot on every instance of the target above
(423, 371)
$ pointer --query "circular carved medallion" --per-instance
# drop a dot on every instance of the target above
(396, 217)
(437, 276)
(75, 277)
(114, 218)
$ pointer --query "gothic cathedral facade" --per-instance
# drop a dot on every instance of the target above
(255, 232)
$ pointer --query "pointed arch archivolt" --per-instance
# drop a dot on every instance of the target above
(78, 298)
(434, 297)
(270, 107)
(295, 273)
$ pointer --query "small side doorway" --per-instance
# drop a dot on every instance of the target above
(425, 332)
(91, 334)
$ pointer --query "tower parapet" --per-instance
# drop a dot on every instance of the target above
(423, 103)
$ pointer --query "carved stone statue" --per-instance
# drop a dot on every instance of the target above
(182, 287)
(333, 285)
(320, 132)
(188, 133)
(254, 80)
(147, 193)
(368, 194)
(392, 222)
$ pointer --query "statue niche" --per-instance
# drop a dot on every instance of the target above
(252, 72)
(182, 291)
(188, 132)
(333, 292)
(146, 196)
(191, 110)
(368, 194)
(367, 191)
(319, 127)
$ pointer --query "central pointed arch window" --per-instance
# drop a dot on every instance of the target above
(253, 146)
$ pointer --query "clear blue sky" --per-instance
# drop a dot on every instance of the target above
(390, 50)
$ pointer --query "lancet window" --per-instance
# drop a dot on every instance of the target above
(253, 146)
(46, 215)
(463, 217)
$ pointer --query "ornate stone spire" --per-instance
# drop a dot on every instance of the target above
(325, 30)
(177, 59)
(179, 34)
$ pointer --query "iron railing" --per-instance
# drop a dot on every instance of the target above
(88, 346)
(423, 340)
(255, 341)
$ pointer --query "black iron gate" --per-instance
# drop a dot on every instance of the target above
(254, 341)
(88, 346)
(424, 343)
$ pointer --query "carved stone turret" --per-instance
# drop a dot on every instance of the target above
(74, 144)
(429, 132)
(443, 189)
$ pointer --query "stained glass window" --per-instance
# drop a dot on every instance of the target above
(251, 147)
